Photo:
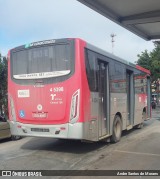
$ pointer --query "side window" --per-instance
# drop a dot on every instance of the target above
(140, 83)
(118, 78)
(91, 70)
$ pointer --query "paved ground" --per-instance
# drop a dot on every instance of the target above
(139, 149)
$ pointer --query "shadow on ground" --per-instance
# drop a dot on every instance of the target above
(67, 146)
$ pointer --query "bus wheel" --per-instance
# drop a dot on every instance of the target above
(117, 129)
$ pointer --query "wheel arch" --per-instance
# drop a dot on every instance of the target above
(144, 110)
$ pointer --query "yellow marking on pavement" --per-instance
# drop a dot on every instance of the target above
(137, 153)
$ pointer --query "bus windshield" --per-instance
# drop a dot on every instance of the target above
(42, 62)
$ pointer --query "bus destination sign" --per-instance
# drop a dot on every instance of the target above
(39, 43)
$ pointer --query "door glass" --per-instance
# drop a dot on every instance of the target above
(103, 91)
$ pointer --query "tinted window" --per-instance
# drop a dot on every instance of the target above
(140, 82)
(50, 63)
(118, 78)
(92, 70)
(42, 59)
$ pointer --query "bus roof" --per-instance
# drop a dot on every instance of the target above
(105, 53)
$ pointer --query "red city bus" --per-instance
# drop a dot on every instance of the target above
(70, 89)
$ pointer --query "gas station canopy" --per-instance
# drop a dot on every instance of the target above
(142, 17)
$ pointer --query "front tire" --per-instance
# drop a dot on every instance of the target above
(117, 129)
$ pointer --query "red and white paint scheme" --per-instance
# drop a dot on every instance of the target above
(69, 89)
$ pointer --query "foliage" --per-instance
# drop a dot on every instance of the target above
(151, 61)
(3, 85)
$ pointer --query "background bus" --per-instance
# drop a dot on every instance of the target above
(69, 89)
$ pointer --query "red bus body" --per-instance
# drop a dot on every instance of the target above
(65, 108)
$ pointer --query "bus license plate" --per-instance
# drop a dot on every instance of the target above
(39, 115)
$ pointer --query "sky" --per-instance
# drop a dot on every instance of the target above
(26, 21)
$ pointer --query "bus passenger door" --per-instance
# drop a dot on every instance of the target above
(130, 99)
(103, 99)
(148, 97)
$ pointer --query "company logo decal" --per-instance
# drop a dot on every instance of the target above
(39, 107)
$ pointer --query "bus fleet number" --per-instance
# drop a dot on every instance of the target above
(57, 89)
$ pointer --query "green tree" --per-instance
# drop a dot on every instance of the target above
(151, 61)
(3, 85)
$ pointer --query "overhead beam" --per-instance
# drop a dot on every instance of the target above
(128, 22)
(157, 42)
(98, 7)
(143, 18)
(108, 13)
(154, 37)
(137, 31)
